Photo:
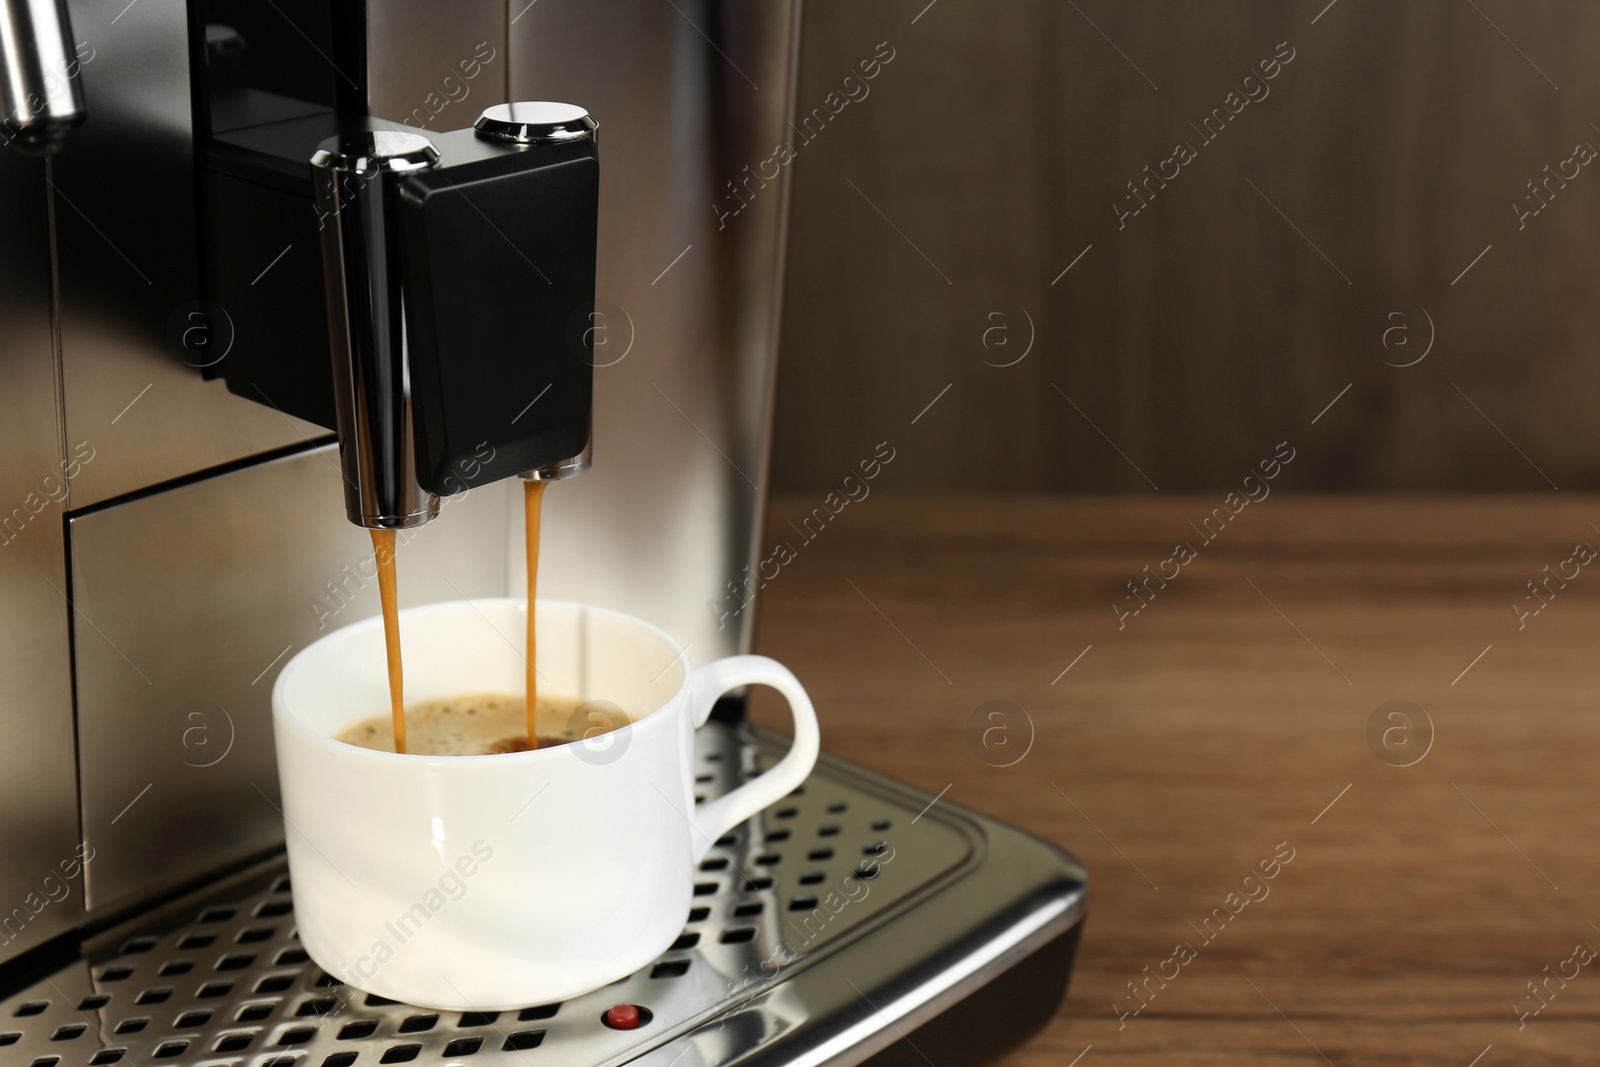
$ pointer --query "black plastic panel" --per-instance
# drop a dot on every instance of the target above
(502, 253)
(266, 61)
(278, 317)
(499, 240)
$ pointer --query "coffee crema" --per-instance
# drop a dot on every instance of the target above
(482, 724)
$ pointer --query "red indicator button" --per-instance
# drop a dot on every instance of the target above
(622, 1017)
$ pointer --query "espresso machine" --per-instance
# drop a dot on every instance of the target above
(277, 272)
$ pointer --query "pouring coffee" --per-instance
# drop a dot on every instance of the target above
(475, 724)
(463, 727)
(583, 852)
(433, 395)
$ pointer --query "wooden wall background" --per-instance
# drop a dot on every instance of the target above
(988, 154)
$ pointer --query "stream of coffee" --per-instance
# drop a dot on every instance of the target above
(532, 497)
(383, 553)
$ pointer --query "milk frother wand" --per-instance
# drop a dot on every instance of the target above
(39, 85)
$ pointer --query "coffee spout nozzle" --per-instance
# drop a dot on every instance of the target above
(564, 469)
(356, 176)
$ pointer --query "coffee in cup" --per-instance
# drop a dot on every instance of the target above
(568, 867)
(483, 724)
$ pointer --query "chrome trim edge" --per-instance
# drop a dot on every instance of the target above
(943, 991)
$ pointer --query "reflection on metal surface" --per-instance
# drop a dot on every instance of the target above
(124, 273)
(665, 520)
(757, 968)
(435, 66)
(186, 602)
(38, 787)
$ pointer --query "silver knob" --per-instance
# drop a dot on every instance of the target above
(535, 122)
(365, 154)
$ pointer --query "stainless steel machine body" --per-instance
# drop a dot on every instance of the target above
(166, 544)
(199, 533)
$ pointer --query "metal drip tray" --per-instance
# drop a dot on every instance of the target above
(824, 930)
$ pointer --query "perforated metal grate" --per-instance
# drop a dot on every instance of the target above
(222, 980)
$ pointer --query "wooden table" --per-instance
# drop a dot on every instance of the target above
(1230, 715)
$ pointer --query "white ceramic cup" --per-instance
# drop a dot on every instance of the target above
(485, 883)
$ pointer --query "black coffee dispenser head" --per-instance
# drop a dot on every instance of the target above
(459, 270)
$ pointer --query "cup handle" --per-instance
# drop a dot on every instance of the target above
(706, 686)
